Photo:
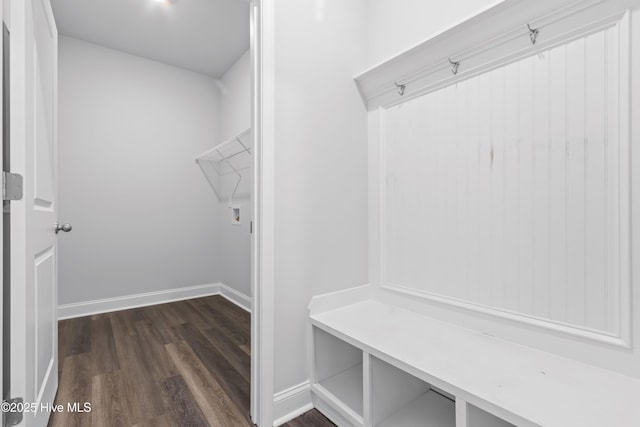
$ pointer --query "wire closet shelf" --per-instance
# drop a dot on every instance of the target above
(227, 164)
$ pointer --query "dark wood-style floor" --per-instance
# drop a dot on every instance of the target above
(180, 364)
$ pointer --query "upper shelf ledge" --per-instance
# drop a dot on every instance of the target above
(502, 33)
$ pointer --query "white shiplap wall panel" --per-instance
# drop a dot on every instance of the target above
(595, 179)
(503, 190)
(557, 184)
(498, 181)
(525, 188)
(541, 170)
(575, 173)
(512, 191)
(613, 185)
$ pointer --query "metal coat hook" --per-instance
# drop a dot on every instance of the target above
(533, 34)
(401, 88)
(454, 66)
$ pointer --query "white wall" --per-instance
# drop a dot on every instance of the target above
(321, 167)
(233, 245)
(235, 102)
(396, 25)
(142, 213)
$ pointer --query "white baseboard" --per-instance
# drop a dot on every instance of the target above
(290, 403)
(87, 308)
(238, 298)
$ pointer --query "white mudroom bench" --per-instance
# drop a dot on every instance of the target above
(376, 364)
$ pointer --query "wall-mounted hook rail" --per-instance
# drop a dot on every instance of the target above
(455, 65)
(401, 88)
(533, 34)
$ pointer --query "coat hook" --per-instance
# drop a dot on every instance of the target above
(533, 34)
(401, 88)
(454, 66)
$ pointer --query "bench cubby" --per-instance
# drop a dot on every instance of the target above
(338, 372)
(398, 399)
(476, 417)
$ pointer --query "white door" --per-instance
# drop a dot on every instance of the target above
(34, 332)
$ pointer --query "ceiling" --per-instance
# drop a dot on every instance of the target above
(206, 36)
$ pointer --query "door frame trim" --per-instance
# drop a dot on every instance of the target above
(263, 280)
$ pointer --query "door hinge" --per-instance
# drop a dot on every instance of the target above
(12, 418)
(12, 184)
